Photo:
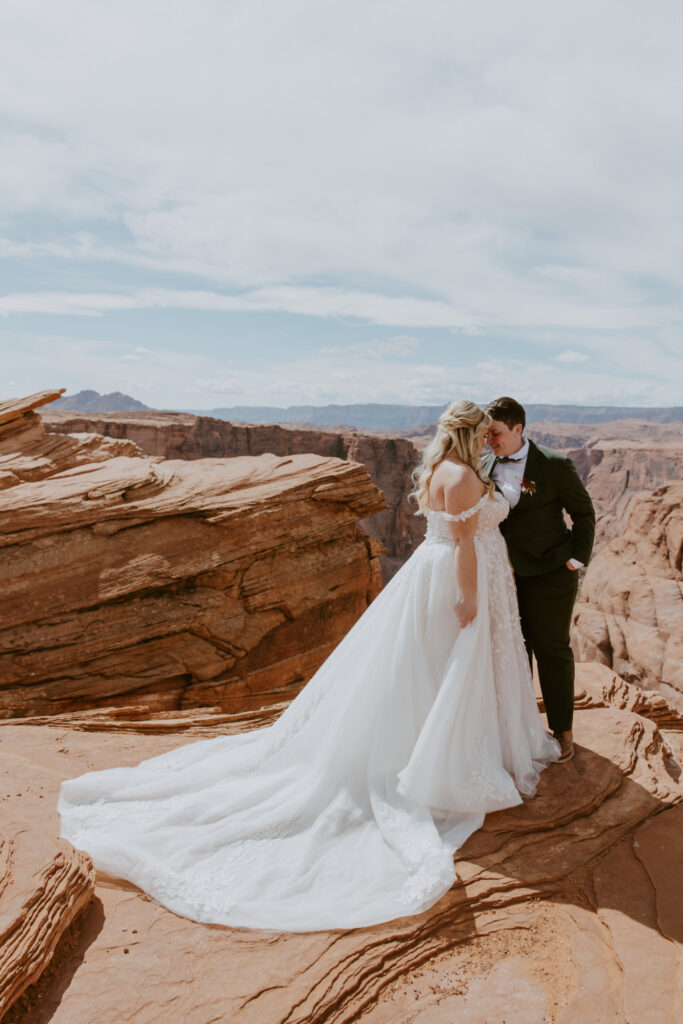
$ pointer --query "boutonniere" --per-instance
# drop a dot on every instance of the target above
(528, 486)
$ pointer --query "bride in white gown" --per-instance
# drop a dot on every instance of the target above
(348, 810)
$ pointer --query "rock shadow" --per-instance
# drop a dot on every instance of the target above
(38, 1004)
(582, 813)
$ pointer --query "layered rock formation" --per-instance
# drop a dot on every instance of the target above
(388, 460)
(617, 461)
(171, 584)
(137, 592)
(567, 908)
(630, 612)
(44, 885)
(600, 687)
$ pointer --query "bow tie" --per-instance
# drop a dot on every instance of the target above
(507, 458)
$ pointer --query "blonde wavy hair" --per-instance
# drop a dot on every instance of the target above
(456, 433)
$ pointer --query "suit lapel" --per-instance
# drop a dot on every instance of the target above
(531, 472)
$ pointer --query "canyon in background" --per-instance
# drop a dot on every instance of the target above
(621, 463)
(368, 416)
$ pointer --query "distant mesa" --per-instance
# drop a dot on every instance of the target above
(93, 401)
(365, 416)
(410, 417)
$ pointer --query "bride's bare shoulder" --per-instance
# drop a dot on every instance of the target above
(458, 485)
(457, 474)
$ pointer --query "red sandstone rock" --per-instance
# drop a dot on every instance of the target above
(172, 584)
(600, 687)
(617, 461)
(13, 408)
(44, 886)
(554, 896)
(630, 611)
(389, 460)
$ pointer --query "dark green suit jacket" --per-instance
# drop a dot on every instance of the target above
(535, 531)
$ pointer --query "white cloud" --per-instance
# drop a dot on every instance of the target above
(321, 380)
(263, 142)
(169, 378)
(482, 168)
(477, 310)
(570, 356)
(377, 348)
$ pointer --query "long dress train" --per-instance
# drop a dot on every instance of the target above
(348, 810)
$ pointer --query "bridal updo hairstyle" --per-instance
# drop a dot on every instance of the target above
(456, 432)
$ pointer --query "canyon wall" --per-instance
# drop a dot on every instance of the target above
(630, 610)
(619, 462)
(616, 461)
(388, 460)
(130, 579)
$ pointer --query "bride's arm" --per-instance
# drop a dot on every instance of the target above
(466, 569)
(461, 496)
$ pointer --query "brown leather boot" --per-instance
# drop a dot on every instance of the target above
(566, 741)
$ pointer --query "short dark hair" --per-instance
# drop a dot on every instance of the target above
(508, 411)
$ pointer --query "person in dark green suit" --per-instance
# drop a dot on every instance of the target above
(541, 485)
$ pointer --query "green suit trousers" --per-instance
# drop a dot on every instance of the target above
(545, 609)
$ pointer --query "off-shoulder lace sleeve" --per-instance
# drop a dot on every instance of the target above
(467, 513)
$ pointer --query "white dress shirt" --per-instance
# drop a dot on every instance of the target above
(508, 478)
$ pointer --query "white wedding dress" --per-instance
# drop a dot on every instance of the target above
(347, 811)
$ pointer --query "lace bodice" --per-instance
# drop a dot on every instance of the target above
(492, 511)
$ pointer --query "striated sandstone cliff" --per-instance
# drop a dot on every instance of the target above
(630, 612)
(617, 461)
(171, 584)
(388, 460)
(567, 907)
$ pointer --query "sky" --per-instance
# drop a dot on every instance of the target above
(207, 203)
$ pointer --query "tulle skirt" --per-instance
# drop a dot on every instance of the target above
(348, 810)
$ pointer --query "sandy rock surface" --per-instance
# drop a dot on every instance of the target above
(129, 579)
(630, 610)
(556, 901)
